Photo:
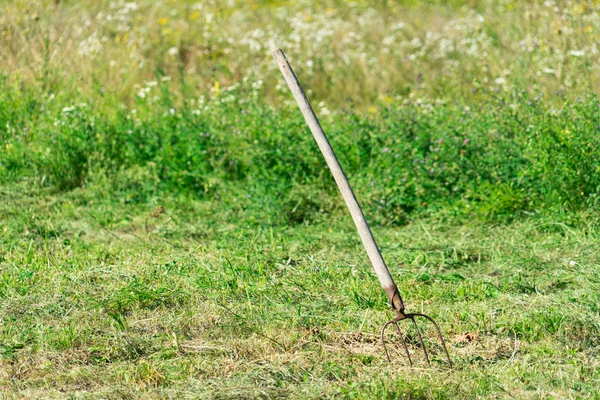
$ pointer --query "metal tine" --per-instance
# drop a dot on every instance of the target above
(387, 354)
(403, 343)
(411, 317)
(439, 333)
(421, 339)
(385, 348)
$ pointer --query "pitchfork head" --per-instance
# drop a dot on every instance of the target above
(417, 341)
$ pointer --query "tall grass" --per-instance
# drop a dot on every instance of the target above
(356, 52)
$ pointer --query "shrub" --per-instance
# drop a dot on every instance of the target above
(412, 158)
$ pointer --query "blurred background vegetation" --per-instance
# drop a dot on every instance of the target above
(348, 52)
(455, 109)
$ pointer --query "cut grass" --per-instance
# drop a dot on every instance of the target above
(455, 118)
(113, 301)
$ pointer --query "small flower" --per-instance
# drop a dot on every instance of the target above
(466, 141)
(195, 15)
(173, 51)
(257, 85)
(577, 53)
(143, 92)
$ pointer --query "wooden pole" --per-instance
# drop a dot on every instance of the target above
(385, 278)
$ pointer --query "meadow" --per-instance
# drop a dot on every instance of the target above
(169, 229)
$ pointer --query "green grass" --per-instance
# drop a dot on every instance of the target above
(127, 301)
(169, 229)
(183, 251)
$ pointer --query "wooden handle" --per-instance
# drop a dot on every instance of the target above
(342, 182)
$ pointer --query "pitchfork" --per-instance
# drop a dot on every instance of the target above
(385, 278)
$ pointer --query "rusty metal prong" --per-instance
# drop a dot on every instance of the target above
(439, 333)
(404, 345)
(412, 318)
(387, 354)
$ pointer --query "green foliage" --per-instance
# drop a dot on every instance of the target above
(511, 156)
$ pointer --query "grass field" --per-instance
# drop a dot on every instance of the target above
(168, 228)
(104, 301)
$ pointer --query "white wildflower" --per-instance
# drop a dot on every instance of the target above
(143, 92)
(257, 85)
(324, 109)
(90, 47)
(127, 7)
(388, 40)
